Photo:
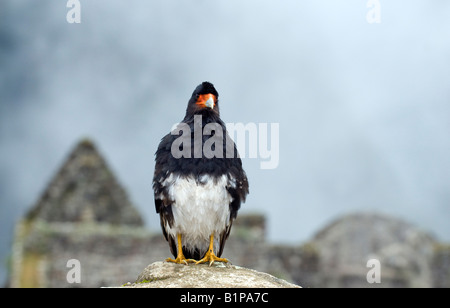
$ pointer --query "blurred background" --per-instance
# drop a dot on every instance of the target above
(363, 109)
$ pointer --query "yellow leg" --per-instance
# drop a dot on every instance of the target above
(210, 256)
(180, 257)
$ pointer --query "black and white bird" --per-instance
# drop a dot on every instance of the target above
(198, 195)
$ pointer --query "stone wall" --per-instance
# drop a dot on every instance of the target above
(108, 254)
(441, 266)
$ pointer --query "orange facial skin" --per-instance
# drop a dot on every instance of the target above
(203, 98)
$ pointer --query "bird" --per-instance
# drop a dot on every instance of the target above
(198, 195)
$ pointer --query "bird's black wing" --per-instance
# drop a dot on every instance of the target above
(238, 189)
(163, 202)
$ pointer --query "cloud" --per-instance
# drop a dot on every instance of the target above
(362, 109)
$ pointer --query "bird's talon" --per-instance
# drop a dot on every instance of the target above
(210, 258)
(181, 260)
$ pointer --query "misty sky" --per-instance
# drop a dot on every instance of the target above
(363, 109)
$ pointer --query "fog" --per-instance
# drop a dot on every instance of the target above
(363, 109)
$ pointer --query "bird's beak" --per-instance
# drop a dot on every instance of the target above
(210, 102)
(206, 100)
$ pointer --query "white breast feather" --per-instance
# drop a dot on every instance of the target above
(199, 209)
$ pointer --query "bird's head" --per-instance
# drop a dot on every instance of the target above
(204, 99)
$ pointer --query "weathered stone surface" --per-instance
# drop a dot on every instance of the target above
(346, 245)
(219, 275)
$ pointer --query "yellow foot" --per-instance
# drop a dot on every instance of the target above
(181, 260)
(211, 258)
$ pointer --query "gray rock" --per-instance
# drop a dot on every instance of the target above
(219, 275)
(345, 246)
